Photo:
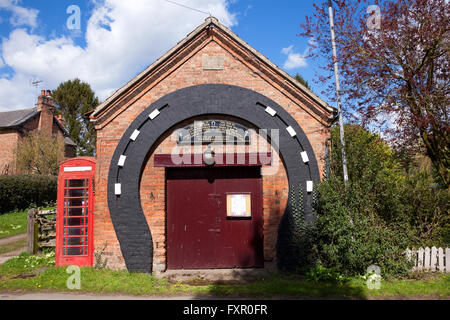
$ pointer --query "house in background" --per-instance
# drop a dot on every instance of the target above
(14, 125)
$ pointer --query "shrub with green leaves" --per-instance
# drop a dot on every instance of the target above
(427, 205)
(23, 191)
(322, 274)
(363, 223)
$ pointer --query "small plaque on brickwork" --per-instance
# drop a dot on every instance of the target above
(213, 62)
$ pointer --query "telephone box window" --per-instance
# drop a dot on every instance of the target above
(76, 217)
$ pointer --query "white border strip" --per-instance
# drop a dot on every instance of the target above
(77, 169)
(270, 111)
(309, 186)
(305, 157)
(135, 135)
(291, 131)
(122, 160)
(118, 189)
(154, 114)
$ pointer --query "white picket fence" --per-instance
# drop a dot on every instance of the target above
(434, 259)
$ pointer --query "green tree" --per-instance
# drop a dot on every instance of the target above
(40, 154)
(75, 99)
(394, 65)
(300, 79)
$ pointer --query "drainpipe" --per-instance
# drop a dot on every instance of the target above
(327, 159)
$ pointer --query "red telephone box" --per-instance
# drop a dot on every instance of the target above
(74, 219)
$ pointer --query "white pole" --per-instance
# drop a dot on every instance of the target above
(338, 93)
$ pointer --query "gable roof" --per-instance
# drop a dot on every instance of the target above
(210, 23)
(16, 118)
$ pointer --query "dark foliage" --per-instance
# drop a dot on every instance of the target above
(23, 191)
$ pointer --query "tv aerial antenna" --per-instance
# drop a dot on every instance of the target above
(35, 83)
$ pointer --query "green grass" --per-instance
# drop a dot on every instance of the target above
(15, 222)
(20, 274)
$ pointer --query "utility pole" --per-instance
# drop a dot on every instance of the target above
(338, 93)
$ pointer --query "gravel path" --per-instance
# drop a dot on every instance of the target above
(6, 256)
(12, 239)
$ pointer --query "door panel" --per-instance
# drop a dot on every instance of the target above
(188, 245)
(240, 243)
(199, 234)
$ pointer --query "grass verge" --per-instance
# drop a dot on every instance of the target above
(15, 222)
(20, 274)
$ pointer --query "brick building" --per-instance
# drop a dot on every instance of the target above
(168, 196)
(14, 125)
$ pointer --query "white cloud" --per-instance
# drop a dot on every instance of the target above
(23, 17)
(294, 60)
(5, 3)
(20, 16)
(14, 91)
(287, 50)
(121, 40)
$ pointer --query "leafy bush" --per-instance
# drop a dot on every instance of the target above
(352, 235)
(427, 205)
(23, 191)
(322, 274)
(363, 223)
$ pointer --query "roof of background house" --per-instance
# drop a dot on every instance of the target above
(16, 118)
(69, 141)
(12, 119)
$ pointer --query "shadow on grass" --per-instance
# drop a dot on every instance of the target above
(279, 286)
(29, 274)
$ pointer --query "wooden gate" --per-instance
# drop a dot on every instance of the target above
(214, 218)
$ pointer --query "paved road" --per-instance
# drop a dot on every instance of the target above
(80, 296)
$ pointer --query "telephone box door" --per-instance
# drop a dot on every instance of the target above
(75, 204)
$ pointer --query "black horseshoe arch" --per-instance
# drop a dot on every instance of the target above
(125, 209)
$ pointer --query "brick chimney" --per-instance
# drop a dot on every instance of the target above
(46, 106)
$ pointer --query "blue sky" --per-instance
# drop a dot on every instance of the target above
(118, 39)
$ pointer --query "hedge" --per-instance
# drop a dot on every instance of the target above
(23, 191)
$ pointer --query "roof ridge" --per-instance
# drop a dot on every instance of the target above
(23, 115)
(18, 110)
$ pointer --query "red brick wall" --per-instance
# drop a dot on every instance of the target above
(8, 139)
(190, 73)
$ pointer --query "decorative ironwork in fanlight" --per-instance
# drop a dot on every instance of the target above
(213, 131)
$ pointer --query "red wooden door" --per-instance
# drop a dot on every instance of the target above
(199, 233)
